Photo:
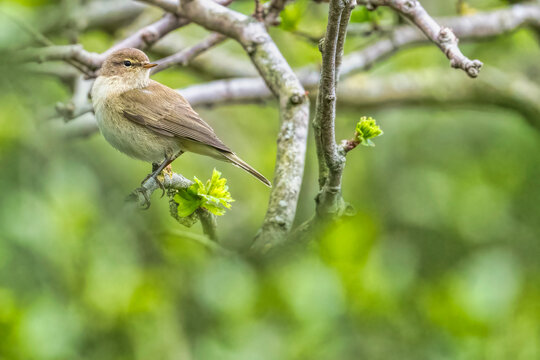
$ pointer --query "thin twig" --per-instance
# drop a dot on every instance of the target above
(183, 57)
(442, 36)
(258, 13)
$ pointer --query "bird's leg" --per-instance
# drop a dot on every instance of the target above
(158, 168)
(155, 166)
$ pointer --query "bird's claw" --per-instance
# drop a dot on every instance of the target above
(135, 197)
(160, 184)
(158, 181)
(155, 174)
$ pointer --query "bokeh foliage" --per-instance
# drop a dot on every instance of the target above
(439, 262)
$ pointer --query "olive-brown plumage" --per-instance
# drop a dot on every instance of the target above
(149, 121)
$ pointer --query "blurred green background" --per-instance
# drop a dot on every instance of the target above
(441, 260)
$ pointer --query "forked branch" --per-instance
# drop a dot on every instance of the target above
(331, 160)
(444, 37)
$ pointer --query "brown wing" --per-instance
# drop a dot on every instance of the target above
(166, 112)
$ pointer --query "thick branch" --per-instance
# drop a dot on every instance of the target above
(442, 36)
(142, 39)
(434, 87)
(294, 107)
(331, 159)
(429, 87)
(472, 27)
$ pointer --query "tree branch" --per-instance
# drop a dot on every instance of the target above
(61, 53)
(142, 39)
(175, 181)
(107, 15)
(183, 57)
(148, 35)
(442, 36)
(478, 26)
(294, 109)
(273, 9)
(331, 160)
(506, 90)
(434, 87)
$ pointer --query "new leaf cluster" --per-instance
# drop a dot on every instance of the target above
(367, 129)
(213, 196)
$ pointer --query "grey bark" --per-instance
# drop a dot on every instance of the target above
(444, 37)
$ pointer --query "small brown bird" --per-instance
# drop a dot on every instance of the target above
(149, 121)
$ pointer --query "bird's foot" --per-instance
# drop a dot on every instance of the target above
(144, 202)
(155, 175)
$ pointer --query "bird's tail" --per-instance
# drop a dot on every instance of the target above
(243, 165)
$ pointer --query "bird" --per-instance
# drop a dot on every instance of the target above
(149, 121)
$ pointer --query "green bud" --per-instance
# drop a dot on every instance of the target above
(367, 129)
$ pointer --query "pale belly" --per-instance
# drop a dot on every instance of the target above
(135, 140)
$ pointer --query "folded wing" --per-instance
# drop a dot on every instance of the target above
(166, 112)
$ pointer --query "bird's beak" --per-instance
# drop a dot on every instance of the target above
(149, 65)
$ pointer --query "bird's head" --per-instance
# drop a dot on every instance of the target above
(131, 65)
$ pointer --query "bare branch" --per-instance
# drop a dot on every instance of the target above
(142, 39)
(294, 109)
(429, 87)
(108, 15)
(342, 32)
(442, 36)
(434, 87)
(185, 56)
(149, 35)
(238, 90)
(273, 9)
(258, 13)
(80, 103)
(331, 160)
(478, 26)
(167, 5)
(68, 53)
(172, 6)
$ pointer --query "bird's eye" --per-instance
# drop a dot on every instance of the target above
(127, 63)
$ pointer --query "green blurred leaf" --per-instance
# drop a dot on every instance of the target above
(363, 15)
(292, 14)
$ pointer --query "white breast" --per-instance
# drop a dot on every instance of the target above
(130, 138)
